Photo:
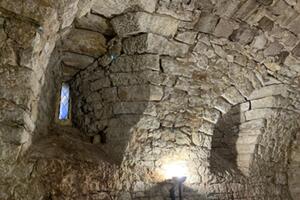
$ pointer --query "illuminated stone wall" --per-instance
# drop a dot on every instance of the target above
(212, 84)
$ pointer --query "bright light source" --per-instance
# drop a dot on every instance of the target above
(175, 169)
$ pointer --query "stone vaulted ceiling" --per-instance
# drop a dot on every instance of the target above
(212, 83)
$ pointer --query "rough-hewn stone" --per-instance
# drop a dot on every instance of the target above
(151, 43)
(93, 44)
(206, 23)
(224, 28)
(77, 60)
(94, 23)
(141, 22)
(296, 50)
(115, 7)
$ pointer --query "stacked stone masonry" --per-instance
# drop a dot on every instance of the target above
(213, 83)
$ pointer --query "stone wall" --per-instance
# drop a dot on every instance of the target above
(215, 84)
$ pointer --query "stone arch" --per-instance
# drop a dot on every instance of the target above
(247, 116)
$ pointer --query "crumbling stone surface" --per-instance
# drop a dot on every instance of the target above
(212, 83)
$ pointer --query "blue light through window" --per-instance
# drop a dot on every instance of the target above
(64, 102)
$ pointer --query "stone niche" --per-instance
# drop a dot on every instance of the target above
(109, 102)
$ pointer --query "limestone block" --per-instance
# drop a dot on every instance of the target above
(292, 63)
(246, 139)
(245, 149)
(259, 114)
(224, 28)
(253, 126)
(259, 42)
(211, 115)
(94, 23)
(272, 66)
(9, 153)
(227, 8)
(207, 22)
(78, 61)
(174, 67)
(43, 13)
(244, 106)
(93, 97)
(243, 35)
(129, 108)
(233, 96)
(266, 24)
(296, 51)
(156, 93)
(3, 37)
(222, 105)
(270, 90)
(176, 12)
(153, 77)
(196, 139)
(141, 22)
(8, 56)
(243, 161)
(14, 135)
(109, 94)
(284, 12)
(207, 128)
(109, 8)
(244, 158)
(151, 43)
(182, 139)
(84, 6)
(288, 39)
(1, 22)
(187, 37)
(23, 33)
(274, 49)
(134, 93)
(99, 84)
(269, 102)
(67, 12)
(148, 123)
(126, 79)
(104, 113)
(297, 6)
(85, 42)
(265, 2)
(135, 63)
(248, 8)
(68, 71)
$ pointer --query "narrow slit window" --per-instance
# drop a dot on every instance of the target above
(64, 102)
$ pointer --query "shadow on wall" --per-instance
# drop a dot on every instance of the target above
(46, 103)
(224, 153)
(110, 101)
